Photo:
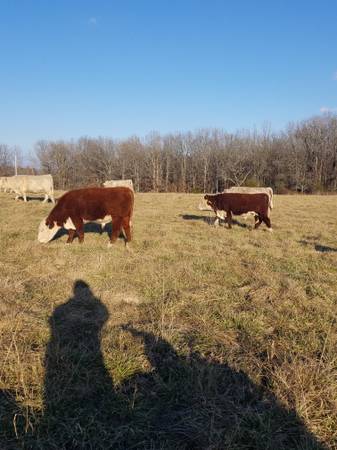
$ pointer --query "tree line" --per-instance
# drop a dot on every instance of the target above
(302, 158)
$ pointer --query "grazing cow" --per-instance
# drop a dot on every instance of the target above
(96, 204)
(237, 204)
(119, 183)
(24, 184)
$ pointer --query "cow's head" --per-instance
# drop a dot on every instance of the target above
(50, 223)
(210, 200)
(47, 230)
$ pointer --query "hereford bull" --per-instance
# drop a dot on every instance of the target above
(237, 204)
(118, 183)
(35, 184)
(100, 205)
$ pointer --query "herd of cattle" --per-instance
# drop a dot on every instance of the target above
(114, 203)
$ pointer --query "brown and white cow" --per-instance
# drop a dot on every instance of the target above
(95, 204)
(237, 204)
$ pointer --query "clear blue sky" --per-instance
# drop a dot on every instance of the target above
(117, 68)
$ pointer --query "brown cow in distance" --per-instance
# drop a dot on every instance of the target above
(100, 205)
(237, 204)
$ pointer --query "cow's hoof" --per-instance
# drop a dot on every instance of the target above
(128, 248)
(270, 230)
(109, 245)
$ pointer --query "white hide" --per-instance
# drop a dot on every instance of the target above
(35, 184)
(253, 190)
(119, 183)
(69, 225)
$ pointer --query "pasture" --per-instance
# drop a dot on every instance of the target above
(199, 338)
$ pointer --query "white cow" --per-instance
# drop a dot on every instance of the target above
(3, 184)
(118, 183)
(35, 184)
(253, 190)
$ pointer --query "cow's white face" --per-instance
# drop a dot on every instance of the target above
(46, 234)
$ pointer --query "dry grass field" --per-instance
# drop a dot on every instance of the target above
(198, 338)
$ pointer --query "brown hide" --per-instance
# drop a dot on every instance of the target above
(91, 204)
(237, 204)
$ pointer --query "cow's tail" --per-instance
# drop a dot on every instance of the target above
(132, 205)
(51, 193)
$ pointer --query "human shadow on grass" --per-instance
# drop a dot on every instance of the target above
(193, 403)
(210, 220)
(12, 421)
(81, 408)
(182, 402)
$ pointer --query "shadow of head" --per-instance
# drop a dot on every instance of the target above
(83, 315)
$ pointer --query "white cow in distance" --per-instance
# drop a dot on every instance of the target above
(3, 184)
(31, 184)
(119, 183)
(253, 190)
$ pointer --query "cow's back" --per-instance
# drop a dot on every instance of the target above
(95, 203)
(239, 203)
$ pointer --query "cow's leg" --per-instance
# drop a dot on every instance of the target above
(78, 222)
(216, 221)
(24, 197)
(51, 196)
(45, 198)
(126, 229)
(267, 221)
(257, 222)
(116, 229)
(71, 235)
(229, 219)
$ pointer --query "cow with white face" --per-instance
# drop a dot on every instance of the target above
(98, 205)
